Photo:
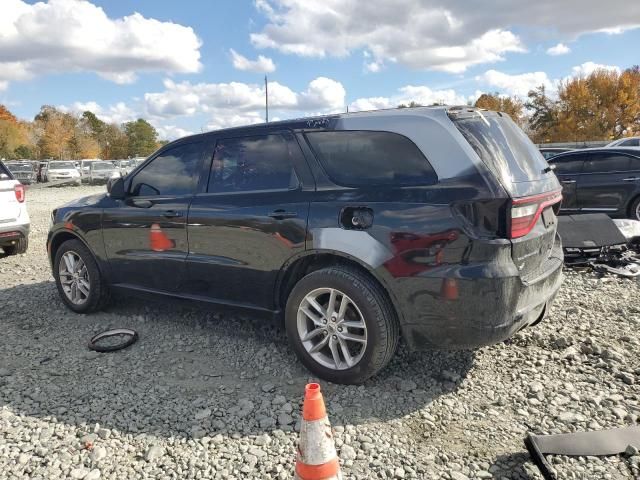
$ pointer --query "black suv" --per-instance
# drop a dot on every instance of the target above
(603, 180)
(434, 224)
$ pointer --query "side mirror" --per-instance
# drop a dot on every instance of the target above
(115, 187)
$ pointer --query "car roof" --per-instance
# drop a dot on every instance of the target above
(635, 151)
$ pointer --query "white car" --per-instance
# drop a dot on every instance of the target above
(102, 172)
(14, 219)
(64, 172)
(85, 167)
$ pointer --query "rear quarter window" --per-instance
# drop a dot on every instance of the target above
(370, 158)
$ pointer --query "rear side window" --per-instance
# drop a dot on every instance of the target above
(173, 172)
(570, 164)
(606, 163)
(502, 146)
(364, 158)
(4, 172)
(261, 162)
(634, 142)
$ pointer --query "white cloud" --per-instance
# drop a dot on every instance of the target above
(3, 85)
(417, 93)
(261, 65)
(238, 98)
(76, 35)
(117, 113)
(172, 132)
(590, 67)
(559, 49)
(518, 85)
(448, 36)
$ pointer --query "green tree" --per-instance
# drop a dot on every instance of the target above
(512, 106)
(411, 104)
(23, 151)
(141, 137)
(543, 118)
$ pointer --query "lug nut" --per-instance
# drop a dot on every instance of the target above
(339, 329)
(335, 337)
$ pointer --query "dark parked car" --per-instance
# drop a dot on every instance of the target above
(625, 142)
(548, 152)
(437, 224)
(24, 172)
(603, 180)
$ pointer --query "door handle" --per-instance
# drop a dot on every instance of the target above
(171, 214)
(281, 214)
(630, 179)
(568, 181)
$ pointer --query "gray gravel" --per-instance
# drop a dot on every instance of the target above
(210, 395)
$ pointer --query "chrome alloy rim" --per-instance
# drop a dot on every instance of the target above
(332, 328)
(74, 278)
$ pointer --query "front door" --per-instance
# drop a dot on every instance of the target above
(251, 219)
(145, 234)
(607, 183)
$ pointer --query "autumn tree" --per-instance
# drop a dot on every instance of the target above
(512, 106)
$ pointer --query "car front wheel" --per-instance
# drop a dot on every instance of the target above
(341, 325)
(78, 278)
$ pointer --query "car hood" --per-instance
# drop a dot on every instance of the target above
(62, 170)
(91, 200)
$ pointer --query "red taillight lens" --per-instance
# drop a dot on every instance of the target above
(525, 212)
(20, 192)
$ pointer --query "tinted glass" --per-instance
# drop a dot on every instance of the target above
(4, 172)
(173, 172)
(634, 142)
(568, 164)
(252, 163)
(20, 167)
(61, 165)
(502, 146)
(360, 158)
(606, 163)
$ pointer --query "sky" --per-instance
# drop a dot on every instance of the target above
(197, 65)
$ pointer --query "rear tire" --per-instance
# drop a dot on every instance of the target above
(90, 293)
(634, 211)
(369, 335)
(20, 247)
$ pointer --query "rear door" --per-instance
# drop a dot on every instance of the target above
(568, 169)
(145, 234)
(249, 221)
(9, 206)
(608, 182)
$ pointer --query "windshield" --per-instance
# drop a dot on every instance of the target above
(61, 166)
(102, 166)
(87, 164)
(501, 145)
(20, 167)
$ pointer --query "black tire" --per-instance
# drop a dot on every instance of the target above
(20, 247)
(378, 315)
(634, 210)
(98, 296)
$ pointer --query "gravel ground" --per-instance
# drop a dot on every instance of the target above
(210, 395)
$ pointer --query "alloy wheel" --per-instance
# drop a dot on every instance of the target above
(332, 328)
(74, 278)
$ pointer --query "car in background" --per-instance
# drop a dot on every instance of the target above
(64, 172)
(625, 142)
(605, 180)
(102, 172)
(548, 152)
(85, 167)
(125, 166)
(23, 172)
(437, 224)
(14, 218)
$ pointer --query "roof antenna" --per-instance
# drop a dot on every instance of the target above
(266, 100)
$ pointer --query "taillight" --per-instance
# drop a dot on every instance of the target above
(20, 193)
(525, 212)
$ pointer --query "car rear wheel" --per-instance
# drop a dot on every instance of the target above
(78, 278)
(341, 325)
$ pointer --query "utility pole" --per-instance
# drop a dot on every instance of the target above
(266, 100)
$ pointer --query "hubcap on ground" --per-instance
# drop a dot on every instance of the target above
(332, 328)
(74, 278)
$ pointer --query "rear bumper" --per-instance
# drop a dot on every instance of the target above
(459, 312)
(10, 233)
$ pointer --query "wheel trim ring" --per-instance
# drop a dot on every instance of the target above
(73, 285)
(322, 358)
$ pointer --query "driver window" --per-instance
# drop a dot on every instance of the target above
(174, 172)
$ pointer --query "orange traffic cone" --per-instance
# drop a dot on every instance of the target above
(317, 458)
(158, 241)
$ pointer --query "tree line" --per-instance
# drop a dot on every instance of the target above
(604, 105)
(54, 134)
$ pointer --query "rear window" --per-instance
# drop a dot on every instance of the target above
(502, 146)
(61, 165)
(365, 158)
